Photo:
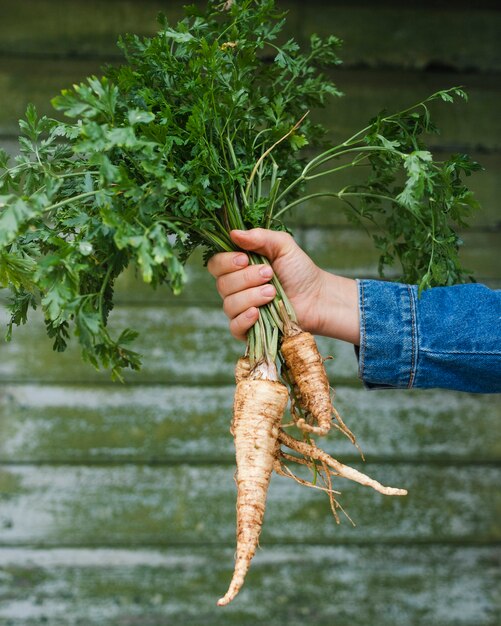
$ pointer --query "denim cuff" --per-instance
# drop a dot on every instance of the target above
(388, 334)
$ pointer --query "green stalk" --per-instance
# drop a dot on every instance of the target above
(80, 196)
(271, 205)
(326, 156)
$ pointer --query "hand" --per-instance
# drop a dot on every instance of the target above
(325, 304)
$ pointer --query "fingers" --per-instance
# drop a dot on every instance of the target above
(240, 325)
(251, 276)
(226, 262)
(271, 244)
(242, 286)
(239, 302)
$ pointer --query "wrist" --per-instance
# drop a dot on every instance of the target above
(339, 315)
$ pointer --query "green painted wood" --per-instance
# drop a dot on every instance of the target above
(131, 505)
(96, 464)
(78, 28)
(179, 345)
(467, 126)
(346, 586)
(330, 212)
(51, 424)
(182, 344)
(408, 34)
(463, 126)
(465, 38)
(23, 81)
(480, 252)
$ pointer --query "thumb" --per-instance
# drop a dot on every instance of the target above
(270, 243)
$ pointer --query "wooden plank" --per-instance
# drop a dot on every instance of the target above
(191, 343)
(131, 505)
(11, 146)
(179, 345)
(355, 586)
(23, 81)
(480, 252)
(471, 126)
(88, 28)
(130, 288)
(409, 35)
(388, 34)
(330, 212)
(463, 126)
(199, 289)
(89, 425)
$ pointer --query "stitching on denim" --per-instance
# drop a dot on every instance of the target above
(465, 352)
(414, 332)
(364, 336)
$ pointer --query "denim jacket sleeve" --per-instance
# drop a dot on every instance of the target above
(449, 337)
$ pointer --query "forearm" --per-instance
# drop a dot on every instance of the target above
(338, 307)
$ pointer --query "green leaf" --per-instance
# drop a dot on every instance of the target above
(135, 116)
(15, 214)
(4, 159)
(179, 37)
(298, 141)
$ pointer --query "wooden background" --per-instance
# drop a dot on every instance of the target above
(117, 502)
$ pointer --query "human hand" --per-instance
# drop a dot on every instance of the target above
(325, 304)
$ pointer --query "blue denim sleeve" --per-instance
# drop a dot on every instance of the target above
(449, 337)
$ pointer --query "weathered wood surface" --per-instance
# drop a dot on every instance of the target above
(53, 424)
(480, 252)
(180, 345)
(390, 585)
(296, 585)
(330, 212)
(135, 505)
(141, 474)
(387, 35)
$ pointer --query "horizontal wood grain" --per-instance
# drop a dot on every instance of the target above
(389, 34)
(343, 250)
(185, 344)
(137, 505)
(117, 502)
(479, 252)
(346, 586)
(50, 424)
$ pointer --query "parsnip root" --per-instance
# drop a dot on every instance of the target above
(307, 371)
(340, 469)
(258, 409)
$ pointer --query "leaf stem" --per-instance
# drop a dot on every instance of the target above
(81, 196)
(267, 152)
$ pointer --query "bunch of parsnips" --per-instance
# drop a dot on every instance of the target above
(202, 130)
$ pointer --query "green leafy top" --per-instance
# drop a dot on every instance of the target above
(197, 133)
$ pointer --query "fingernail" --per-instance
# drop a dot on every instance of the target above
(240, 260)
(238, 232)
(250, 313)
(268, 290)
(266, 271)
